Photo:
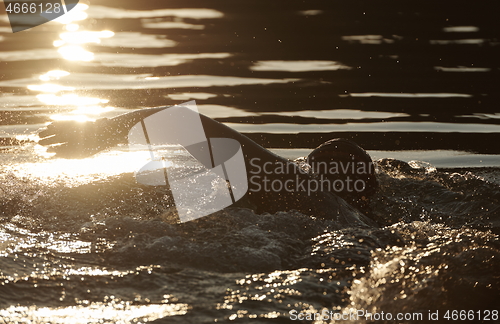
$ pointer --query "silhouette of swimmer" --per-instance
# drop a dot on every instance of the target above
(275, 183)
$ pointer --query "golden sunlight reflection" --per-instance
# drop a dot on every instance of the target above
(115, 311)
(81, 37)
(72, 27)
(69, 246)
(82, 113)
(75, 14)
(58, 43)
(92, 110)
(75, 53)
(53, 244)
(87, 108)
(48, 87)
(70, 41)
(78, 172)
(73, 100)
(79, 118)
(53, 75)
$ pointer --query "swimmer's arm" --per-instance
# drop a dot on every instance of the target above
(73, 139)
(123, 123)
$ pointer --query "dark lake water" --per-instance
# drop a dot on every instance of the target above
(81, 242)
(391, 76)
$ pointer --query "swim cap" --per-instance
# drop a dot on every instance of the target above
(347, 167)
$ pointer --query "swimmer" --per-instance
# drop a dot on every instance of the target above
(342, 168)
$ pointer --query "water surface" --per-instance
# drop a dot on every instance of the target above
(82, 242)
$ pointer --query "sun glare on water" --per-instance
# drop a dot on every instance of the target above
(71, 46)
(116, 312)
(75, 172)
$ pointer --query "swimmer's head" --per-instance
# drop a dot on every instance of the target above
(347, 167)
